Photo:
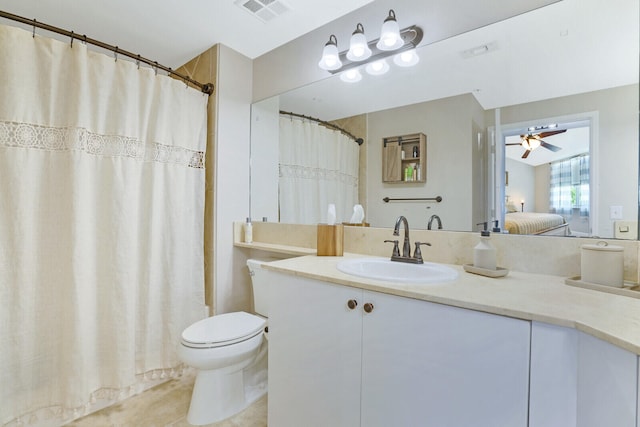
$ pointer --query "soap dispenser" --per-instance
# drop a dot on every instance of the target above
(484, 254)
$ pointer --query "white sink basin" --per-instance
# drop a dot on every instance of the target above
(394, 271)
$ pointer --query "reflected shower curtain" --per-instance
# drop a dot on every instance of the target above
(318, 166)
(101, 226)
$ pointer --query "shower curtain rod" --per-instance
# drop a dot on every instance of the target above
(359, 141)
(204, 87)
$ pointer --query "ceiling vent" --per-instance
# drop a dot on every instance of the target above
(264, 10)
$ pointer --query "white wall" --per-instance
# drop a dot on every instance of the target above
(232, 284)
(265, 136)
(521, 185)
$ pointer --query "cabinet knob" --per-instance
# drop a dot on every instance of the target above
(368, 307)
(352, 304)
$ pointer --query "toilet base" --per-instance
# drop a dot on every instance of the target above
(216, 396)
(221, 393)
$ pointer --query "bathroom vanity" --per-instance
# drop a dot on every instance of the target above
(516, 351)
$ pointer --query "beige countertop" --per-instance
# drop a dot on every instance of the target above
(544, 298)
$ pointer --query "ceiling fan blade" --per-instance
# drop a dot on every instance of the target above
(514, 143)
(526, 154)
(548, 146)
(550, 133)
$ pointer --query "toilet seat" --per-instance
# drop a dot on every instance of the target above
(222, 330)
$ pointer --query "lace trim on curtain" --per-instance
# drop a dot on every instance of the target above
(306, 172)
(25, 135)
(110, 395)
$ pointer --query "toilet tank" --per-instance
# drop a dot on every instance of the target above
(260, 285)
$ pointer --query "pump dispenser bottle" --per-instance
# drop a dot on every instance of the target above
(484, 254)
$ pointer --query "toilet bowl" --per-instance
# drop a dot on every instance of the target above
(229, 352)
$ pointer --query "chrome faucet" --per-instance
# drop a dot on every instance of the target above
(437, 218)
(406, 246)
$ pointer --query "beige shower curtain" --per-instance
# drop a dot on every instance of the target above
(318, 167)
(101, 226)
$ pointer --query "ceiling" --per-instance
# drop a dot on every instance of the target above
(173, 32)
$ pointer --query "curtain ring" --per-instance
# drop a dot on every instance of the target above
(71, 40)
(115, 54)
(84, 39)
(186, 85)
(155, 67)
(33, 34)
(138, 61)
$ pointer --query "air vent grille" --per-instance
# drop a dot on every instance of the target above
(264, 10)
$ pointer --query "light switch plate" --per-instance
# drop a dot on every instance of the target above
(615, 212)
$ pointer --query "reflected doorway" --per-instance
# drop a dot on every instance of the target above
(548, 184)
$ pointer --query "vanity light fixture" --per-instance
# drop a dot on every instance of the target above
(351, 76)
(362, 52)
(408, 58)
(330, 60)
(377, 68)
(390, 34)
(358, 47)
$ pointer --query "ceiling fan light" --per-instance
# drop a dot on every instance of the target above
(390, 38)
(358, 46)
(407, 58)
(377, 68)
(351, 76)
(330, 56)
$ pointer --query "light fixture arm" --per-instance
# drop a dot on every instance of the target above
(411, 36)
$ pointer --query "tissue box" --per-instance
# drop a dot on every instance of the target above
(330, 240)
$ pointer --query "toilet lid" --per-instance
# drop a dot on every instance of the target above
(223, 329)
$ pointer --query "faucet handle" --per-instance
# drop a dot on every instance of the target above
(396, 250)
(417, 253)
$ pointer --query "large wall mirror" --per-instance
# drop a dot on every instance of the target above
(570, 67)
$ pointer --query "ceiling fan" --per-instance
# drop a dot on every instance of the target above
(531, 141)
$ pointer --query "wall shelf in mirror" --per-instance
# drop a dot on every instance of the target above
(404, 158)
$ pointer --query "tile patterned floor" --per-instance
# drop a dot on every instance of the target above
(166, 405)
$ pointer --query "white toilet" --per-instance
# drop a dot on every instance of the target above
(230, 353)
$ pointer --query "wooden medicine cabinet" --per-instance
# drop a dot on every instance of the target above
(409, 167)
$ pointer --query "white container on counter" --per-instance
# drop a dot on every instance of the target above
(602, 264)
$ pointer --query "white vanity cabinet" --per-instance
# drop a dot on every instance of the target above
(405, 362)
(580, 380)
(426, 364)
(314, 353)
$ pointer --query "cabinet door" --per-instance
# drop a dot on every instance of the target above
(554, 376)
(314, 353)
(607, 385)
(426, 364)
(391, 163)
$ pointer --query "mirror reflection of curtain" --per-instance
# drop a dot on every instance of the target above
(101, 225)
(569, 185)
(318, 166)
